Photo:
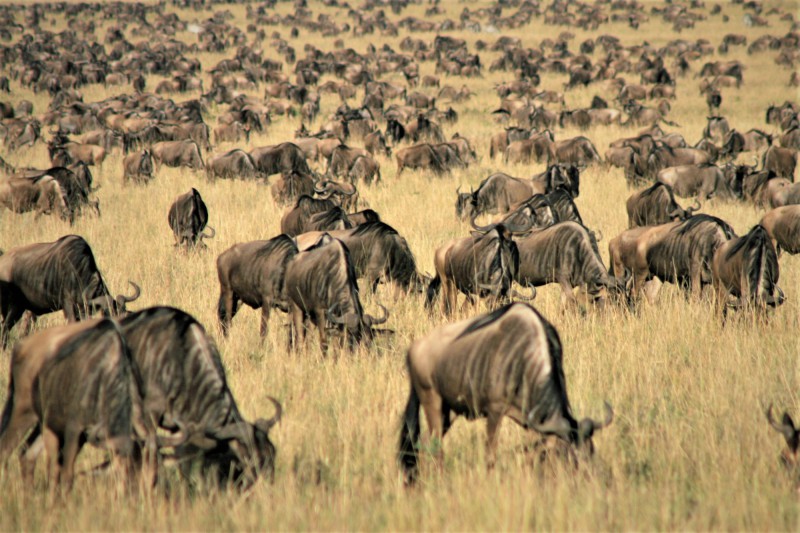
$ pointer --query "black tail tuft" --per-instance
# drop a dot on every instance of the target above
(433, 290)
(409, 435)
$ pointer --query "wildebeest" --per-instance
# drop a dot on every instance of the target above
(321, 287)
(52, 276)
(504, 363)
(655, 205)
(188, 216)
(283, 158)
(565, 176)
(289, 187)
(378, 252)
(484, 265)
(420, 156)
(747, 269)
(783, 226)
(499, 193)
(235, 163)
(138, 166)
(564, 253)
(704, 181)
(253, 273)
(578, 151)
(790, 456)
(184, 386)
(782, 161)
(679, 252)
(183, 153)
(299, 218)
(73, 384)
(538, 147)
(43, 195)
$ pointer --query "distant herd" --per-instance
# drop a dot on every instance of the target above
(139, 382)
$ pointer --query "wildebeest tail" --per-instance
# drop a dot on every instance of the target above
(433, 291)
(409, 435)
(6, 417)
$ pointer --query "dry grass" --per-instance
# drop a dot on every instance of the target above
(689, 449)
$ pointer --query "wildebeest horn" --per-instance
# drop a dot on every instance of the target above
(477, 227)
(207, 235)
(265, 425)
(785, 427)
(137, 291)
(521, 228)
(521, 296)
(351, 193)
(458, 190)
(370, 320)
(324, 189)
(696, 206)
(598, 235)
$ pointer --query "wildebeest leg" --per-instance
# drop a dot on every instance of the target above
(226, 309)
(52, 447)
(265, 309)
(298, 336)
(70, 447)
(13, 314)
(432, 404)
(567, 294)
(22, 419)
(322, 323)
(29, 455)
(493, 419)
(449, 296)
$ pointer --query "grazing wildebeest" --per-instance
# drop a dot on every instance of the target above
(138, 166)
(782, 161)
(419, 156)
(52, 276)
(747, 269)
(564, 253)
(283, 158)
(790, 456)
(183, 153)
(499, 193)
(679, 252)
(504, 363)
(538, 147)
(288, 188)
(297, 220)
(704, 181)
(321, 287)
(783, 226)
(342, 159)
(253, 273)
(43, 195)
(366, 169)
(578, 151)
(378, 252)
(375, 143)
(655, 205)
(717, 128)
(484, 265)
(73, 384)
(184, 386)
(187, 218)
(663, 156)
(342, 194)
(235, 163)
(536, 210)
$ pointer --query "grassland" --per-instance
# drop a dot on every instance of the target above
(689, 449)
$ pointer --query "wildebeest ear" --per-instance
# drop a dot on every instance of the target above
(787, 420)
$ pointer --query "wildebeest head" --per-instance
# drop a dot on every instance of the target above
(465, 203)
(109, 306)
(791, 455)
(249, 452)
(334, 190)
(146, 163)
(566, 176)
(359, 328)
(573, 432)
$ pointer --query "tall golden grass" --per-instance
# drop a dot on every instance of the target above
(689, 448)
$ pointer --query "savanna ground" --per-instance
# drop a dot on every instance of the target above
(689, 448)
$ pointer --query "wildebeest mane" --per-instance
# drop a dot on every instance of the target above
(282, 243)
(696, 220)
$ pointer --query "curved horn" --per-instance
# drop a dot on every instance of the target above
(137, 291)
(476, 227)
(521, 228)
(608, 419)
(326, 186)
(241, 431)
(266, 425)
(211, 235)
(522, 297)
(351, 193)
(598, 235)
(370, 320)
(458, 190)
(783, 427)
